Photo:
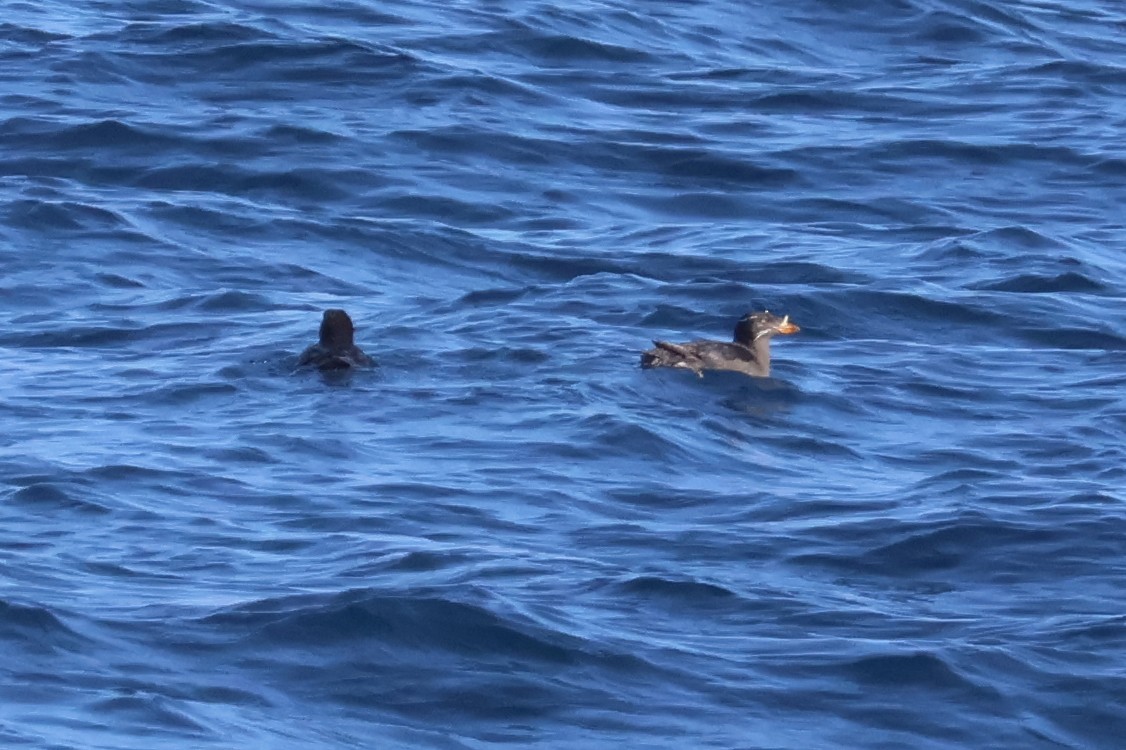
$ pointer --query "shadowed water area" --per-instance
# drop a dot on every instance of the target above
(508, 534)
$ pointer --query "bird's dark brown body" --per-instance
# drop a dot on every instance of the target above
(336, 349)
(748, 353)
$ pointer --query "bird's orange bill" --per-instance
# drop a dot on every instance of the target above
(787, 326)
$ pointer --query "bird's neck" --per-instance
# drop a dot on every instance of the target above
(761, 347)
(336, 338)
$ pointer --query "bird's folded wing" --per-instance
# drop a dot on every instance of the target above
(674, 348)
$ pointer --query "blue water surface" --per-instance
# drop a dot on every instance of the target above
(913, 535)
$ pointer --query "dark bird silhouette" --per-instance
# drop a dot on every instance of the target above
(336, 349)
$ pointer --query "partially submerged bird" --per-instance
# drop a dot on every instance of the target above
(336, 350)
(749, 353)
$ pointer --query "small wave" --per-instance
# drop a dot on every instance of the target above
(1044, 284)
(969, 543)
(919, 670)
(153, 711)
(416, 622)
(52, 494)
(36, 629)
(1061, 337)
(28, 36)
(219, 301)
(681, 592)
(100, 136)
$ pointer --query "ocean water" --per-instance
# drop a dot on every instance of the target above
(913, 535)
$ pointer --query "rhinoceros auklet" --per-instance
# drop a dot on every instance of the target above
(749, 353)
(336, 350)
